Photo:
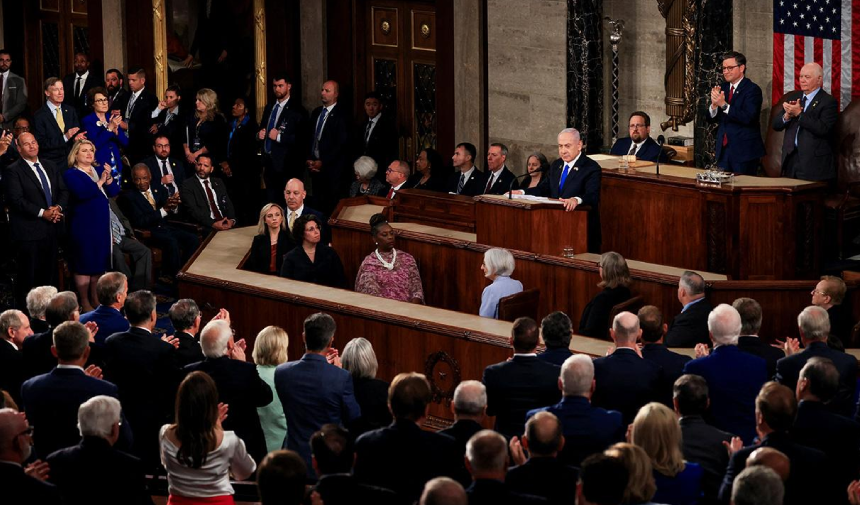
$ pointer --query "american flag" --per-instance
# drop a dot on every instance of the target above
(819, 31)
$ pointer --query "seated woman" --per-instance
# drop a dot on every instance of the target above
(615, 277)
(428, 171)
(272, 242)
(640, 481)
(270, 350)
(310, 260)
(197, 453)
(371, 393)
(365, 183)
(498, 266)
(656, 430)
(387, 272)
(537, 167)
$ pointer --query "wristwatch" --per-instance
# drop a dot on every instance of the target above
(724, 107)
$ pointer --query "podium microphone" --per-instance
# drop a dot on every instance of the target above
(660, 141)
(511, 188)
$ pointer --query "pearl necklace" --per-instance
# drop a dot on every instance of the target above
(386, 264)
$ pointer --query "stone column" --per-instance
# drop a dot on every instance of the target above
(470, 114)
(585, 70)
(313, 27)
(113, 23)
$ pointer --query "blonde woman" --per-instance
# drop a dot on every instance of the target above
(206, 129)
(657, 431)
(270, 350)
(640, 484)
(272, 242)
(614, 279)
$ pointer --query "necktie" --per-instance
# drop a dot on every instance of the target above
(150, 199)
(292, 219)
(273, 117)
(802, 110)
(110, 102)
(212, 206)
(78, 87)
(461, 183)
(168, 118)
(731, 93)
(171, 188)
(489, 184)
(130, 105)
(46, 188)
(632, 150)
(116, 230)
(367, 132)
(320, 122)
(563, 178)
(1, 90)
(390, 194)
(59, 117)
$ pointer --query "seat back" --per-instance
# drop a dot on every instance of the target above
(524, 304)
(631, 305)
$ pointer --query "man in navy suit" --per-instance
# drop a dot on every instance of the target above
(734, 377)
(185, 318)
(376, 135)
(520, 384)
(315, 390)
(78, 83)
(468, 180)
(282, 130)
(749, 341)
(16, 437)
(137, 115)
(690, 327)
(487, 461)
(639, 143)
(163, 169)
(499, 177)
(111, 291)
(56, 125)
(329, 152)
(205, 198)
(735, 106)
(556, 331)
(653, 349)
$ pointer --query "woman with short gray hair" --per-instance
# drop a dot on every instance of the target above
(498, 266)
(371, 393)
(365, 181)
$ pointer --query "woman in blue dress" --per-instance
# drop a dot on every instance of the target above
(103, 129)
(90, 220)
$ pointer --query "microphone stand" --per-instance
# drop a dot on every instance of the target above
(511, 187)
(660, 140)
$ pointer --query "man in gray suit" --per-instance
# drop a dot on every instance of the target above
(13, 92)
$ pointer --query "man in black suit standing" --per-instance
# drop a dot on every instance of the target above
(138, 115)
(653, 348)
(469, 408)
(16, 437)
(56, 125)
(329, 150)
(115, 85)
(78, 83)
(185, 318)
(468, 180)
(282, 130)
(810, 115)
(690, 327)
(36, 195)
(205, 198)
(522, 383)
(376, 135)
(499, 178)
(749, 341)
(14, 328)
(163, 169)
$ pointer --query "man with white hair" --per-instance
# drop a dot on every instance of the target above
(239, 384)
(690, 327)
(14, 328)
(734, 377)
(758, 485)
(37, 302)
(15, 447)
(587, 429)
(469, 408)
(94, 471)
(487, 461)
(814, 327)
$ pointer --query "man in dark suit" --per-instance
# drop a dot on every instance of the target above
(814, 327)
(499, 177)
(36, 196)
(626, 381)
(487, 461)
(735, 106)
(520, 384)
(395, 177)
(690, 327)
(95, 471)
(810, 115)
(115, 85)
(701, 442)
(294, 195)
(639, 143)
(78, 83)
(469, 408)
(163, 169)
(829, 294)
(587, 429)
(314, 390)
(167, 121)
(205, 198)
(9, 143)
(56, 125)
(653, 349)
(111, 290)
(556, 331)
(143, 368)
(185, 318)
(403, 457)
(328, 156)
(137, 115)
(16, 437)
(734, 377)
(749, 341)
(376, 135)
(14, 328)
(147, 207)
(468, 180)
(239, 385)
(282, 130)
(14, 92)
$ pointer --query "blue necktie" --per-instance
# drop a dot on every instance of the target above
(563, 178)
(802, 110)
(272, 118)
(320, 122)
(46, 188)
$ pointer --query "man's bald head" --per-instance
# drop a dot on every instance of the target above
(810, 77)
(443, 491)
(13, 425)
(625, 329)
(295, 194)
(771, 458)
(543, 435)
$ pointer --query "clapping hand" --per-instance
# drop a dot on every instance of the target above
(718, 98)
(94, 371)
(223, 409)
(734, 446)
(93, 328)
(789, 346)
(702, 350)
(518, 455)
(170, 339)
(38, 469)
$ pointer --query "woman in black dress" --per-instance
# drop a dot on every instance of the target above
(206, 129)
(537, 167)
(272, 243)
(241, 168)
(428, 174)
(615, 277)
(371, 393)
(311, 260)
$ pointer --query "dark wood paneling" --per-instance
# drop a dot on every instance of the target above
(139, 43)
(283, 43)
(342, 18)
(445, 77)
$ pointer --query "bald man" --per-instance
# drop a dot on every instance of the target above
(808, 119)
(328, 153)
(294, 196)
(771, 458)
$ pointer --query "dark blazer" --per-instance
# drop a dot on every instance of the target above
(189, 350)
(37, 353)
(650, 150)
(80, 102)
(118, 101)
(555, 355)
(502, 184)
(461, 431)
(815, 157)
(138, 210)
(474, 186)
(53, 145)
(372, 397)
(672, 364)
(595, 316)
(196, 203)
(836, 436)
(344, 489)
(174, 130)
(583, 181)
(545, 477)
(139, 121)
(14, 99)
(734, 379)
(788, 370)
(703, 444)
(38, 325)
(382, 144)
(436, 182)
(740, 124)
(13, 372)
(287, 154)
(493, 492)
(177, 166)
(626, 382)
(326, 268)
(753, 344)
(212, 135)
(110, 321)
(690, 327)
(260, 256)
(333, 143)
(514, 387)
(403, 457)
(240, 387)
(93, 472)
(18, 487)
(25, 198)
(841, 322)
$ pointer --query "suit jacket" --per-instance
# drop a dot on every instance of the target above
(583, 180)
(372, 397)
(703, 445)
(110, 321)
(313, 393)
(80, 102)
(344, 489)
(37, 353)
(502, 184)
(461, 431)
(555, 355)
(734, 379)
(13, 372)
(196, 203)
(176, 165)
(841, 322)
(403, 457)
(650, 150)
(545, 477)
(788, 370)
(626, 382)
(672, 364)
(119, 101)
(260, 256)
(836, 436)
(474, 186)
(25, 198)
(174, 130)
(753, 344)
(189, 350)
(815, 157)
(690, 327)
(288, 152)
(240, 387)
(514, 387)
(18, 487)
(139, 122)
(493, 492)
(53, 145)
(594, 321)
(14, 99)
(740, 124)
(333, 144)
(382, 144)
(138, 209)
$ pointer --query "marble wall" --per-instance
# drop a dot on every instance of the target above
(753, 36)
(113, 21)
(469, 109)
(313, 61)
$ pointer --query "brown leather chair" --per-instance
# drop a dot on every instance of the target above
(524, 304)
(632, 305)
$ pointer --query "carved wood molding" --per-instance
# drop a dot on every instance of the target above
(443, 374)
(716, 236)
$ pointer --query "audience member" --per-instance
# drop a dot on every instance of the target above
(468, 180)
(521, 383)
(734, 377)
(749, 340)
(376, 135)
(602, 481)
(556, 331)
(167, 123)
(653, 348)
(543, 474)
(429, 171)
(829, 294)
(312, 260)
(771, 458)
(487, 461)
(37, 302)
(470, 409)
(104, 130)
(587, 429)
(111, 292)
(381, 274)
(500, 179)
(624, 380)
(281, 478)
(365, 182)
(272, 242)
(14, 92)
(270, 350)
(396, 176)
(205, 198)
(614, 281)
(443, 491)
(241, 167)
(95, 471)
(537, 166)
(16, 437)
(640, 482)
(117, 94)
(758, 486)
(14, 329)
(9, 152)
(138, 268)
(498, 266)
(690, 327)
(282, 130)
(164, 169)
(294, 196)
(185, 317)
(55, 125)
(329, 155)
(197, 452)
(639, 143)
(138, 114)
(371, 393)
(38, 358)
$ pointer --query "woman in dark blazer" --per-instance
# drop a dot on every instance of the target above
(241, 168)
(272, 243)
(206, 129)
(615, 277)
(311, 260)
(371, 393)
(429, 169)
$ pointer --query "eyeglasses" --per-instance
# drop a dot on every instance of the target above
(636, 126)
(100, 100)
(732, 67)
(28, 432)
(822, 293)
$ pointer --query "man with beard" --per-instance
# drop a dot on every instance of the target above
(13, 92)
(639, 143)
(280, 131)
(117, 95)
(78, 83)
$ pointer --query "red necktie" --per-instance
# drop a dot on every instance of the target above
(489, 184)
(726, 137)
(212, 206)
(390, 194)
